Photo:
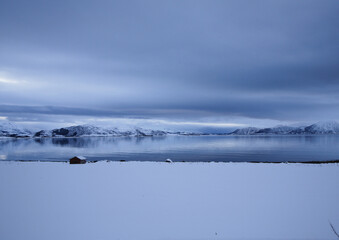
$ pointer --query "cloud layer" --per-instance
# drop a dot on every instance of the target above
(177, 60)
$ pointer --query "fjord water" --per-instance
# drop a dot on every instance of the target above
(177, 148)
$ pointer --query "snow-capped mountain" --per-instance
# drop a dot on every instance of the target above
(8, 129)
(246, 131)
(331, 127)
(90, 130)
(76, 131)
(276, 130)
(148, 132)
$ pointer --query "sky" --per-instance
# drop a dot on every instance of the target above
(198, 64)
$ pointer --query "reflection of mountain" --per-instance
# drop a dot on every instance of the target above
(73, 142)
(80, 142)
(14, 142)
(92, 142)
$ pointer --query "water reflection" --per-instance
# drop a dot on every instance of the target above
(89, 142)
(178, 148)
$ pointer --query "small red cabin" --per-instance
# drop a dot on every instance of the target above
(77, 160)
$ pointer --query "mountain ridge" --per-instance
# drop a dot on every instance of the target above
(326, 127)
(8, 129)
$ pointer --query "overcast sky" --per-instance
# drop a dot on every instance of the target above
(175, 63)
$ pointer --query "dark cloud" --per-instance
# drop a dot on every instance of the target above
(170, 59)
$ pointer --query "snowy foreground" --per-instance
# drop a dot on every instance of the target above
(149, 200)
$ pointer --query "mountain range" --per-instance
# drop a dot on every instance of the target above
(8, 129)
(90, 130)
(329, 127)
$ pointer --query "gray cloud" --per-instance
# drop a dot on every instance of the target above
(173, 59)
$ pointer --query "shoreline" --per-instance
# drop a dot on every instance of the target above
(122, 160)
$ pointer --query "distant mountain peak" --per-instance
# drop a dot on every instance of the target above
(9, 129)
(245, 131)
(324, 127)
(324, 124)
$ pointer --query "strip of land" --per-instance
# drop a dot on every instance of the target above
(123, 160)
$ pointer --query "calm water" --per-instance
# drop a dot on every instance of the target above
(177, 148)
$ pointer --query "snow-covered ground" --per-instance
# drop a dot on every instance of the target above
(150, 200)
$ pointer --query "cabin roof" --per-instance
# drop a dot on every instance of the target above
(80, 157)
